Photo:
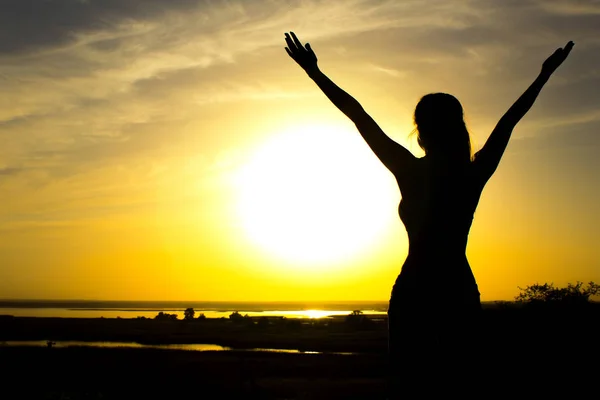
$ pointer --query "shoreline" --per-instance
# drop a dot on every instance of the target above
(511, 329)
(192, 347)
(331, 335)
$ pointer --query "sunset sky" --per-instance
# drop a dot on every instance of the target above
(172, 150)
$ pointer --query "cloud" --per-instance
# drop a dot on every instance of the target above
(10, 171)
(69, 52)
(88, 84)
(388, 71)
(577, 7)
(120, 119)
(28, 26)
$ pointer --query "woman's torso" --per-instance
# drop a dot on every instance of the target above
(437, 208)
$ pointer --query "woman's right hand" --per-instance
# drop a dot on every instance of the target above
(304, 56)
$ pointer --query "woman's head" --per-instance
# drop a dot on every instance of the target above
(440, 126)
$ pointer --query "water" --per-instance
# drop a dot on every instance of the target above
(149, 309)
(131, 345)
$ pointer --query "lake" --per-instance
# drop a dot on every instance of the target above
(149, 309)
(131, 345)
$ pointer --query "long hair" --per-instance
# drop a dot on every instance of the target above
(441, 128)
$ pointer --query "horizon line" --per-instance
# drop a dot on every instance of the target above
(214, 301)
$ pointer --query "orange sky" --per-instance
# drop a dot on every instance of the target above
(172, 150)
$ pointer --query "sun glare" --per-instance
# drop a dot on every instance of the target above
(315, 194)
(316, 314)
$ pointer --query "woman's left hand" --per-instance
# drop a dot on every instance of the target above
(556, 59)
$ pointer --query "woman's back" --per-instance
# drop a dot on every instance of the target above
(438, 203)
(439, 199)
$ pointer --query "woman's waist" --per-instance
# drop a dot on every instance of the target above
(441, 285)
(440, 239)
(437, 251)
(439, 268)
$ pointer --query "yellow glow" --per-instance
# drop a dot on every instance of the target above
(317, 313)
(314, 194)
(119, 149)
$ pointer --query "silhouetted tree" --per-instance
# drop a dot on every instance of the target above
(354, 317)
(188, 314)
(165, 317)
(358, 320)
(201, 317)
(546, 294)
(236, 316)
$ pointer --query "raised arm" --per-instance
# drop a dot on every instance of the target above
(488, 158)
(394, 156)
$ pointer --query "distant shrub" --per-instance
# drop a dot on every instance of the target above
(237, 317)
(547, 294)
(165, 317)
(188, 314)
(358, 320)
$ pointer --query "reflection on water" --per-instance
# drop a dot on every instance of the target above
(210, 309)
(151, 313)
(190, 347)
(72, 343)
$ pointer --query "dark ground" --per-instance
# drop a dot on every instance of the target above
(526, 354)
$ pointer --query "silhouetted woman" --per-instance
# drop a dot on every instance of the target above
(435, 305)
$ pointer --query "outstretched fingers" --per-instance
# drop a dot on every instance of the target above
(303, 55)
(568, 48)
(290, 53)
(291, 45)
(297, 41)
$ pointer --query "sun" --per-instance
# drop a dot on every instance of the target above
(315, 194)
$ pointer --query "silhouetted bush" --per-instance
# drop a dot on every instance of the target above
(354, 316)
(237, 317)
(358, 320)
(165, 317)
(188, 314)
(573, 295)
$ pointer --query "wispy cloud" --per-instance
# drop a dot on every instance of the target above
(135, 110)
(388, 71)
(91, 84)
(577, 7)
(10, 171)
